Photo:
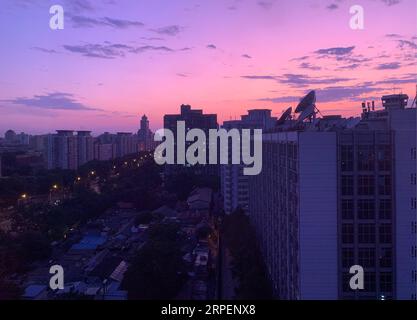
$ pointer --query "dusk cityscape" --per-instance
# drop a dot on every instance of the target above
(227, 152)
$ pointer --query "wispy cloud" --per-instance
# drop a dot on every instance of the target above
(112, 51)
(44, 50)
(52, 101)
(332, 6)
(246, 56)
(88, 22)
(309, 66)
(388, 66)
(337, 51)
(172, 30)
(300, 80)
(266, 4)
(211, 46)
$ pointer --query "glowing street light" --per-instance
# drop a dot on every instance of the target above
(24, 196)
(55, 186)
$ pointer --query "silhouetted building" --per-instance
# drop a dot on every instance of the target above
(145, 136)
(10, 136)
(62, 151)
(125, 144)
(193, 118)
(334, 193)
(234, 183)
(85, 147)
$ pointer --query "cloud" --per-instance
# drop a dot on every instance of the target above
(52, 101)
(332, 6)
(352, 93)
(246, 56)
(211, 46)
(393, 35)
(283, 99)
(391, 2)
(299, 80)
(309, 66)
(79, 5)
(172, 30)
(337, 51)
(331, 94)
(112, 51)
(44, 50)
(388, 66)
(410, 78)
(265, 4)
(405, 44)
(260, 77)
(349, 66)
(87, 22)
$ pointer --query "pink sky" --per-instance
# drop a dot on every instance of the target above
(116, 60)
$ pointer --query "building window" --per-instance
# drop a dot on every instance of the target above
(385, 233)
(367, 257)
(366, 158)
(385, 282)
(413, 203)
(366, 185)
(346, 282)
(384, 158)
(384, 185)
(413, 179)
(347, 233)
(366, 209)
(366, 233)
(385, 258)
(413, 153)
(347, 185)
(385, 209)
(347, 209)
(370, 282)
(347, 257)
(347, 158)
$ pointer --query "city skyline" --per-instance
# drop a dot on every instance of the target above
(113, 63)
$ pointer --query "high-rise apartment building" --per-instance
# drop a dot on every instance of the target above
(193, 118)
(85, 147)
(335, 193)
(62, 150)
(234, 184)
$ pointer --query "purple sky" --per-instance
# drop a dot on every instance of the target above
(116, 60)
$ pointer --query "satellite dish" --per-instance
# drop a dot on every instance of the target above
(309, 111)
(308, 100)
(285, 116)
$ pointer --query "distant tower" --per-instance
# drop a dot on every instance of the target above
(145, 135)
(144, 123)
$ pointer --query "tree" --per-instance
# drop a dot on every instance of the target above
(158, 270)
